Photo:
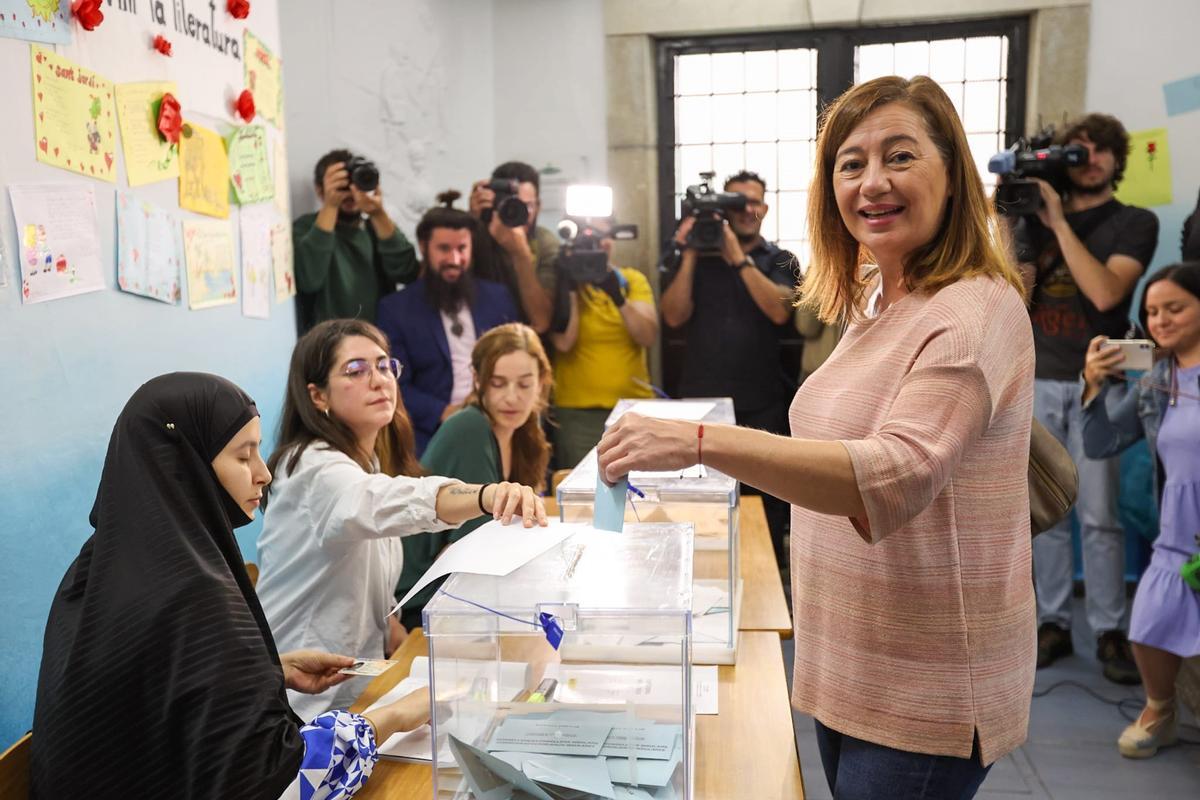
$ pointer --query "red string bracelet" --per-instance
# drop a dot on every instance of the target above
(700, 445)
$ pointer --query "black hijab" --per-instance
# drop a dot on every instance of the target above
(159, 675)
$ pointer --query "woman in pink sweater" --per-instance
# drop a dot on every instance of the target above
(907, 463)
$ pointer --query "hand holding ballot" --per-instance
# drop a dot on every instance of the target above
(635, 442)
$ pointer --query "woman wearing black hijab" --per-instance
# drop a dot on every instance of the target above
(159, 675)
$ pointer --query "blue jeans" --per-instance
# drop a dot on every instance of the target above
(858, 770)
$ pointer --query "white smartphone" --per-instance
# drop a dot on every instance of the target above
(1139, 353)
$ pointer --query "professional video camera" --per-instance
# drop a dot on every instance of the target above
(709, 208)
(581, 257)
(512, 210)
(1029, 158)
(363, 174)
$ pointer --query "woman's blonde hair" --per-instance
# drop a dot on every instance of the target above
(968, 243)
(530, 449)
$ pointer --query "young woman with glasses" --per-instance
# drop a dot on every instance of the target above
(347, 487)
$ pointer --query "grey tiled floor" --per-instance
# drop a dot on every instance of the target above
(1071, 753)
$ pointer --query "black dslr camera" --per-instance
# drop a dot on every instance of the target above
(581, 258)
(512, 210)
(709, 208)
(364, 175)
(1028, 158)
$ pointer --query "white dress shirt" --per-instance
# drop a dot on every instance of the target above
(330, 556)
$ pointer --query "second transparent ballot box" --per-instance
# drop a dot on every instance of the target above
(570, 676)
(704, 497)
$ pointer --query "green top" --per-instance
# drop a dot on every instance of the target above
(465, 448)
(492, 263)
(338, 273)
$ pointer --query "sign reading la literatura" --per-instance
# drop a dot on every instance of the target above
(201, 28)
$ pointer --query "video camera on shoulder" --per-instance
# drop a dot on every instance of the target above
(364, 175)
(1029, 158)
(710, 209)
(581, 256)
(512, 210)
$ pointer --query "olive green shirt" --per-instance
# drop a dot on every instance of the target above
(493, 264)
(344, 274)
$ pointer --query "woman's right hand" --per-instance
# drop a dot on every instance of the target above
(506, 500)
(1102, 361)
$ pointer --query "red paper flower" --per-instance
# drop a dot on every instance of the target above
(245, 104)
(170, 120)
(88, 13)
(162, 45)
(238, 9)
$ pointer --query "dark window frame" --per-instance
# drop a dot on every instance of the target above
(835, 73)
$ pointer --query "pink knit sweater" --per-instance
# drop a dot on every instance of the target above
(915, 627)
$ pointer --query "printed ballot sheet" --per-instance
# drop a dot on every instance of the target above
(495, 549)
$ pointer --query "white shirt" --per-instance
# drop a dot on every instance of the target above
(330, 556)
(460, 352)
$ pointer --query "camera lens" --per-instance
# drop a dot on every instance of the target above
(365, 176)
(513, 212)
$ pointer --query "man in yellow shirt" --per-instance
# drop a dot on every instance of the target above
(602, 354)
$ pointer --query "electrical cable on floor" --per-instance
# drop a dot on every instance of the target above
(1121, 705)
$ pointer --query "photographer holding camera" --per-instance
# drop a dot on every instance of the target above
(511, 248)
(343, 266)
(1085, 252)
(610, 323)
(731, 292)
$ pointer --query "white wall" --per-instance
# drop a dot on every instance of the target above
(441, 91)
(407, 83)
(1125, 78)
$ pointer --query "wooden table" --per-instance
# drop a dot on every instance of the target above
(748, 750)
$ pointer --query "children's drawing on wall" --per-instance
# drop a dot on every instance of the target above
(149, 250)
(249, 169)
(203, 172)
(281, 260)
(264, 79)
(148, 156)
(1147, 180)
(73, 121)
(58, 238)
(280, 175)
(36, 20)
(256, 262)
(211, 267)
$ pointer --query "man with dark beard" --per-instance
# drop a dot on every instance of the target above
(1085, 252)
(433, 323)
(343, 265)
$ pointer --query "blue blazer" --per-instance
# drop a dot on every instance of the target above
(418, 339)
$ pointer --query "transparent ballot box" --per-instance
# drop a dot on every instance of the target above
(704, 497)
(570, 677)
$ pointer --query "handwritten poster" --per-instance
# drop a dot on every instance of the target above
(281, 261)
(149, 249)
(256, 261)
(36, 20)
(249, 169)
(58, 239)
(279, 173)
(211, 267)
(73, 121)
(203, 172)
(264, 79)
(148, 157)
(1147, 180)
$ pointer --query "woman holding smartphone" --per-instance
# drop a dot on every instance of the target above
(1164, 407)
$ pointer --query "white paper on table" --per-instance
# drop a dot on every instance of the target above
(671, 409)
(415, 744)
(705, 683)
(706, 597)
(495, 549)
(601, 684)
(58, 240)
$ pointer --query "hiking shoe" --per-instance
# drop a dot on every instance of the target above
(1112, 648)
(1054, 642)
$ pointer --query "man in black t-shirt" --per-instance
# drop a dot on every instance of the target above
(732, 307)
(1084, 254)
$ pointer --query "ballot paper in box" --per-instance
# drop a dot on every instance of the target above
(705, 497)
(540, 687)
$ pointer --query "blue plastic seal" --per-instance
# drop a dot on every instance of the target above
(554, 631)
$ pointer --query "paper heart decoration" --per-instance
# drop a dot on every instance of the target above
(41, 116)
(45, 145)
(39, 97)
(108, 160)
(39, 58)
(38, 77)
(238, 180)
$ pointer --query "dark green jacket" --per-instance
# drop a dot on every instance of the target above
(463, 448)
(345, 273)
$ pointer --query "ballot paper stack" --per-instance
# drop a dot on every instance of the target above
(527, 701)
(706, 498)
